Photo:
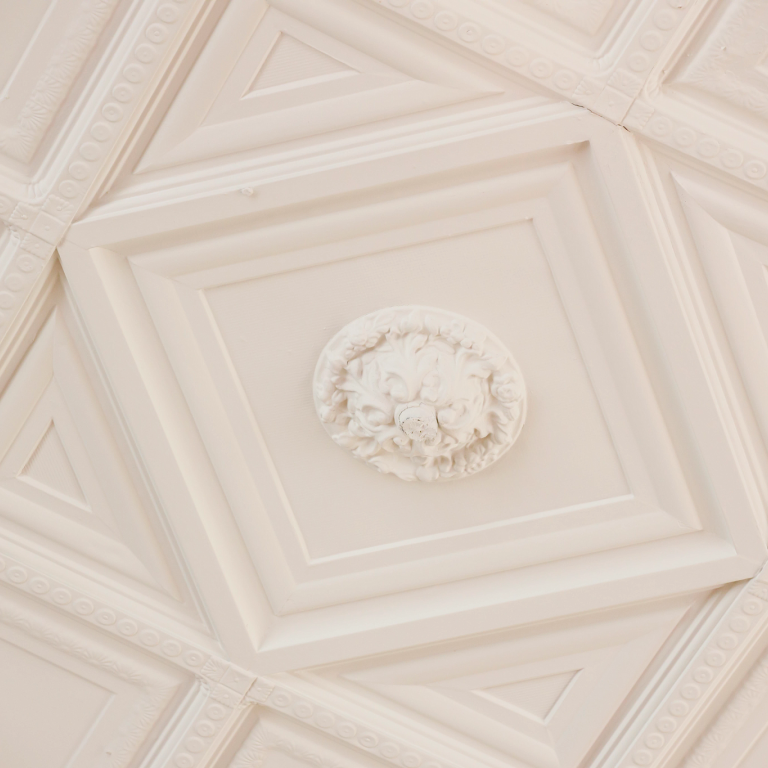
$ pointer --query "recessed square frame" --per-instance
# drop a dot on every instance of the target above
(688, 522)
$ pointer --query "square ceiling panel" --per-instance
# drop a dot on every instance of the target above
(523, 307)
(601, 474)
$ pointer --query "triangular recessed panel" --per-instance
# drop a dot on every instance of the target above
(66, 486)
(536, 697)
(539, 699)
(292, 63)
(49, 468)
(268, 78)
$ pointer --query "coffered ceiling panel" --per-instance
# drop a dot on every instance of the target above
(289, 81)
(551, 216)
(527, 698)
(70, 487)
(737, 735)
(267, 77)
(244, 314)
(277, 742)
(73, 77)
(707, 96)
(45, 49)
(597, 53)
(77, 701)
(725, 58)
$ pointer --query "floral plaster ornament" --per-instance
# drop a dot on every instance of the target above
(421, 393)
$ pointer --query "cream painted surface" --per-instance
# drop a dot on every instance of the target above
(303, 461)
(22, 23)
(195, 197)
(50, 713)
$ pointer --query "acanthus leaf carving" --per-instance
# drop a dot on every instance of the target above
(742, 704)
(267, 736)
(21, 140)
(726, 64)
(381, 743)
(421, 393)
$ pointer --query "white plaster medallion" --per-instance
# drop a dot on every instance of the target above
(420, 392)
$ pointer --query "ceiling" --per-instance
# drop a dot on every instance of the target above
(195, 197)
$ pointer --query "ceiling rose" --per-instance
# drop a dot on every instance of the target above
(420, 392)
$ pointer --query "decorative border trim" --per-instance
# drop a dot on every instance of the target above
(156, 697)
(268, 735)
(375, 741)
(720, 651)
(206, 721)
(52, 87)
(344, 388)
(36, 228)
(212, 707)
(38, 224)
(69, 642)
(752, 691)
(661, 126)
(134, 732)
(33, 234)
(722, 64)
(609, 95)
(126, 627)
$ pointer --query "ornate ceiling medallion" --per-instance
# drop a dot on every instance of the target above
(419, 392)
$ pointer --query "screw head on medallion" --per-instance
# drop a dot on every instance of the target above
(421, 393)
